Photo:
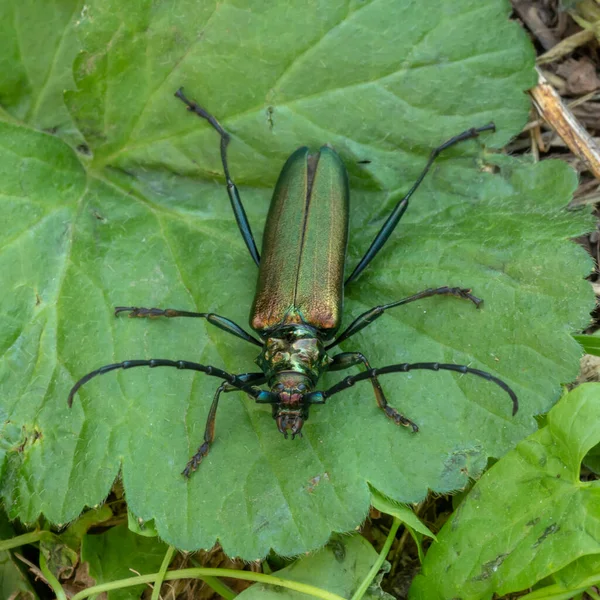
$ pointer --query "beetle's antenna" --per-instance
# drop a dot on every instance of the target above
(235, 381)
(234, 196)
(319, 397)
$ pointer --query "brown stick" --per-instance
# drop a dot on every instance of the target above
(551, 107)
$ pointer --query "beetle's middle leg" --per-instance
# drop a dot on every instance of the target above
(374, 313)
(216, 320)
(209, 430)
(345, 360)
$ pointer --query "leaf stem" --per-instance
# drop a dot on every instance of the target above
(52, 581)
(22, 540)
(366, 582)
(219, 587)
(161, 572)
(201, 573)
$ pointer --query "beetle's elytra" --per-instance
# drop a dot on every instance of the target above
(298, 304)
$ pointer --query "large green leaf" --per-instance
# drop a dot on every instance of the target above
(138, 215)
(546, 520)
(338, 568)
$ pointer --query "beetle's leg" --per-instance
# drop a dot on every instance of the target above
(321, 397)
(236, 381)
(346, 360)
(400, 208)
(209, 430)
(209, 435)
(234, 195)
(216, 320)
(374, 313)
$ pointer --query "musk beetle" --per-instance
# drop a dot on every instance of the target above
(298, 303)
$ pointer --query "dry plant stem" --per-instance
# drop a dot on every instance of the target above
(583, 99)
(34, 569)
(399, 548)
(591, 592)
(534, 146)
(566, 46)
(528, 13)
(561, 119)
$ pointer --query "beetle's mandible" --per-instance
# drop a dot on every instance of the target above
(299, 297)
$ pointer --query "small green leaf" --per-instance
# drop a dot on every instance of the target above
(77, 530)
(590, 343)
(401, 511)
(13, 581)
(528, 517)
(60, 558)
(139, 526)
(119, 554)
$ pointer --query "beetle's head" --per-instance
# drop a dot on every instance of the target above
(291, 410)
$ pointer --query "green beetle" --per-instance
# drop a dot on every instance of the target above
(298, 304)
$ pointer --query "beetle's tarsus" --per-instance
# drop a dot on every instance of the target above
(195, 461)
(398, 418)
(140, 312)
(465, 293)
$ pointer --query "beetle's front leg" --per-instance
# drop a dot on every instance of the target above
(209, 435)
(345, 360)
(209, 430)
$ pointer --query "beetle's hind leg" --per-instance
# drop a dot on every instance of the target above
(345, 360)
(209, 430)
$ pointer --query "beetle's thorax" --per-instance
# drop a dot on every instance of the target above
(294, 350)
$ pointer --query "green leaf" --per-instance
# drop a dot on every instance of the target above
(338, 568)
(78, 529)
(529, 516)
(36, 63)
(412, 523)
(60, 558)
(574, 578)
(13, 582)
(590, 343)
(118, 554)
(402, 512)
(138, 215)
(145, 528)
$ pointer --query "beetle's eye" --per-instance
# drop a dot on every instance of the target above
(280, 387)
(301, 387)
